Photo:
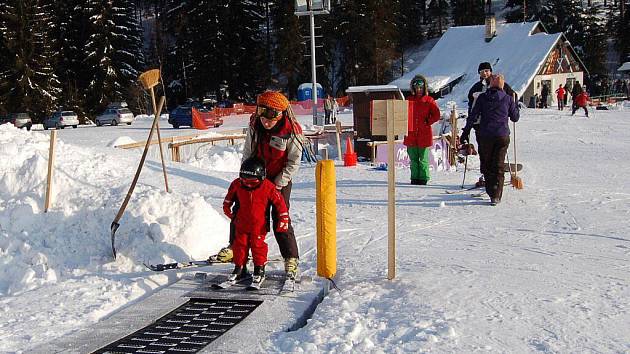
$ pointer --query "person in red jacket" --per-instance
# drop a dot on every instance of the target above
(247, 204)
(581, 101)
(423, 111)
(560, 92)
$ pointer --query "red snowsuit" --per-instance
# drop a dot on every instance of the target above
(423, 111)
(251, 218)
(582, 99)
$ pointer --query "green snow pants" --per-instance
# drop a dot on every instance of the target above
(419, 157)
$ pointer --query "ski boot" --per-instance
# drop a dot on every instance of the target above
(239, 272)
(225, 255)
(291, 267)
(259, 277)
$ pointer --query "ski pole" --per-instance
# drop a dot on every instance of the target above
(465, 168)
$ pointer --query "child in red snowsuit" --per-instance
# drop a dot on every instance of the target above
(580, 102)
(247, 203)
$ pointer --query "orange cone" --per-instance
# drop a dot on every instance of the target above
(350, 157)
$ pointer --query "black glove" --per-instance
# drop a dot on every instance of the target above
(463, 139)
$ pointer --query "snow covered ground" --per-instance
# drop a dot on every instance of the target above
(548, 270)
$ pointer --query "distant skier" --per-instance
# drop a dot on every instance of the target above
(581, 101)
(577, 89)
(247, 204)
(544, 95)
(560, 96)
(420, 135)
(328, 109)
(493, 109)
(485, 72)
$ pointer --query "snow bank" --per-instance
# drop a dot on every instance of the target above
(38, 248)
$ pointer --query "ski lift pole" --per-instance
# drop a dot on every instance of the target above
(313, 64)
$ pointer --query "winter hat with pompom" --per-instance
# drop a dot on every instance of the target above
(274, 100)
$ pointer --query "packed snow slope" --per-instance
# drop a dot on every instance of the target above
(548, 270)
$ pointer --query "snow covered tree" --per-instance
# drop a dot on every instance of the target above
(289, 57)
(622, 29)
(468, 12)
(71, 34)
(114, 53)
(369, 36)
(242, 64)
(27, 79)
(439, 20)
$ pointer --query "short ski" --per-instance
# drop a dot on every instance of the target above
(464, 190)
(191, 264)
(482, 195)
(228, 283)
(182, 265)
(288, 286)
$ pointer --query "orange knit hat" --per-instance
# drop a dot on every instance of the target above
(274, 100)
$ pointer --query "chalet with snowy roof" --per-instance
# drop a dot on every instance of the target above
(525, 53)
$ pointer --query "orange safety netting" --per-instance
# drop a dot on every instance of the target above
(299, 107)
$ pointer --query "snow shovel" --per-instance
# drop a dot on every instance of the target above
(515, 180)
(115, 223)
(149, 79)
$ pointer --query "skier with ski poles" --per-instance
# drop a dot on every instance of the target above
(493, 108)
(275, 136)
(485, 72)
(247, 203)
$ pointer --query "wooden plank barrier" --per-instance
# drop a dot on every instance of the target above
(175, 146)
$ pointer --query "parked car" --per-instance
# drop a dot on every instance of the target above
(115, 116)
(60, 120)
(182, 116)
(20, 120)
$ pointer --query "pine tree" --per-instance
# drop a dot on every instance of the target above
(289, 57)
(595, 42)
(438, 18)
(71, 34)
(114, 53)
(28, 82)
(468, 12)
(242, 64)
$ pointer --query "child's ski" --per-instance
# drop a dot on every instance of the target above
(288, 286)
(232, 280)
(464, 190)
(181, 265)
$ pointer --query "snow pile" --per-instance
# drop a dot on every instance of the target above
(38, 248)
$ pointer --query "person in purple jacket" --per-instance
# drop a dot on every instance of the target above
(493, 108)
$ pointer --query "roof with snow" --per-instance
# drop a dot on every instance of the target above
(624, 67)
(518, 51)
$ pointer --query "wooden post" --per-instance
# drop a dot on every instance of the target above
(453, 148)
(51, 162)
(391, 197)
(338, 132)
(157, 128)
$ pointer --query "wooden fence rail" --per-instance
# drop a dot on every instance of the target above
(175, 146)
